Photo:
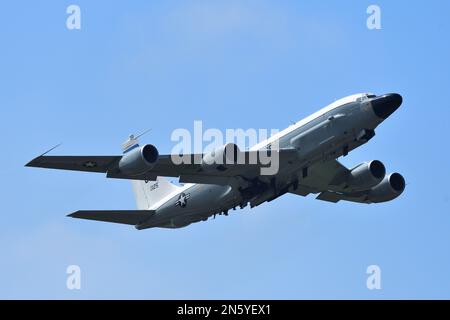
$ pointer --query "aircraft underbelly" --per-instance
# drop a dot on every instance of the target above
(199, 202)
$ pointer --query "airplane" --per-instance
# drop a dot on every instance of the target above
(307, 153)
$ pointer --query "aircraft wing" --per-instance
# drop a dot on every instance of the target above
(324, 178)
(190, 172)
(77, 163)
(327, 179)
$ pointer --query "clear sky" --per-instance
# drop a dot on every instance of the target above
(232, 64)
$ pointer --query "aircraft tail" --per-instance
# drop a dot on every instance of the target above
(147, 193)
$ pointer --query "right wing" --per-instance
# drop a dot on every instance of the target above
(326, 178)
(322, 176)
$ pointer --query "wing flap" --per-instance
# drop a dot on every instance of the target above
(329, 196)
(132, 217)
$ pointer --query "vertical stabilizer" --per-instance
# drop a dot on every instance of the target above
(147, 193)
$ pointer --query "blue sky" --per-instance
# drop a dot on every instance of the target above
(231, 64)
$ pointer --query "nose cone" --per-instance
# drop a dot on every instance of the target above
(385, 105)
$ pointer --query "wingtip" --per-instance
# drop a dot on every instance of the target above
(72, 215)
(33, 162)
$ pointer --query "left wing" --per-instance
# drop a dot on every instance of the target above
(190, 172)
(77, 163)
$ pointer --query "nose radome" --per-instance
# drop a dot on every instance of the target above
(385, 105)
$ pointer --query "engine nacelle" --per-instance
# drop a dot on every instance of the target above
(139, 160)
(390, 188)
(366, 175)
(221, 156)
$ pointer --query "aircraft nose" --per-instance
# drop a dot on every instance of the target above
(385, 105)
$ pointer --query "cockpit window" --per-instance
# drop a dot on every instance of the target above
(365, 97)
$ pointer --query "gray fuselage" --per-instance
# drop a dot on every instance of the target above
(327, 136)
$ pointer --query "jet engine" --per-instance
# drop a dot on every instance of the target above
(139, 160)
(390, 188)
(221, 156)
(366, 175)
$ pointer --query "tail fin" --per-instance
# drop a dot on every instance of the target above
(147, 193)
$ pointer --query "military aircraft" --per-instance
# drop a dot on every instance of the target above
(307, 153)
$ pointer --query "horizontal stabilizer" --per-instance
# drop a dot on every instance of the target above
(133, 217)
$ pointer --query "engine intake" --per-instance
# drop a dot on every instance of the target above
(366, 175)
(390, 188)
(139, 160)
